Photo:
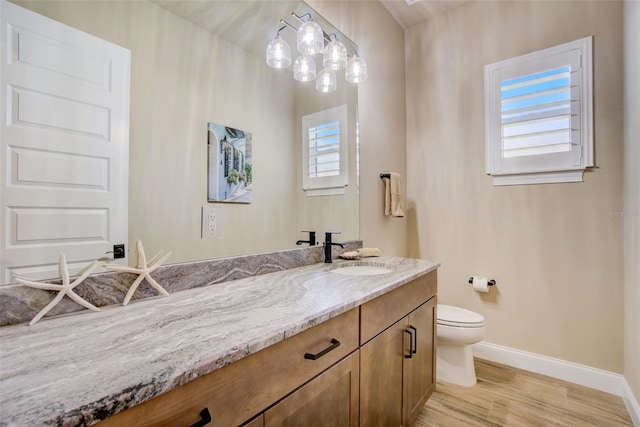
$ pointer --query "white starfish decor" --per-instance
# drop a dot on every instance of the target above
(65, 289)
(143, 269)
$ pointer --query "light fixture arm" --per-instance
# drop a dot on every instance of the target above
(327, 37)
(286, 24)
(301, 18)
(281, 28)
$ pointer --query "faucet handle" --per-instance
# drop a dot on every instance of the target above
(327, 236)
(312, 237)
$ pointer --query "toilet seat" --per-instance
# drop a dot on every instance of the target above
(459, 317)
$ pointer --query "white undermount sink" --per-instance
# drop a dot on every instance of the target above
(361, 270)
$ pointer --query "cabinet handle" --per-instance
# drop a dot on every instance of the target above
(410, 355)
(205, 418)
(334, 344)
(414, 346)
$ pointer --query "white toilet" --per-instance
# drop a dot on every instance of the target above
(457, 330)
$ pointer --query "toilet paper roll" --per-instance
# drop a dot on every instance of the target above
(480, 284)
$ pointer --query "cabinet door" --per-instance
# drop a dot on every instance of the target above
(381, 362)
(330, 399)
(419, 370)
(256, 422)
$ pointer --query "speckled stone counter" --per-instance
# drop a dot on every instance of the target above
(20, 304)
(83, 367)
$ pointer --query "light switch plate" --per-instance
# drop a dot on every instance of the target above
(210, 222)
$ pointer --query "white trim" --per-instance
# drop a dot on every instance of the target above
(538, 178)
(325, 192)
(633, 407)
(587, 376)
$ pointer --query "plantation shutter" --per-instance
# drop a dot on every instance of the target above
(324, 152)
(539, 114)
(536, 113)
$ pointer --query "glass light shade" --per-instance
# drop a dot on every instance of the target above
(356, 70)
(304, 69)
(310, 39)
(326, 81)
(335, 55)
(278, 53)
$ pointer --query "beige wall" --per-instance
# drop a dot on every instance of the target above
(381, 104)
(632, 196)
(553, 249)
(181, 78)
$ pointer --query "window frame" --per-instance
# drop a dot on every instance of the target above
(565, 166)
(328, 185)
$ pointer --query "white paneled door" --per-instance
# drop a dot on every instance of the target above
(64, 140)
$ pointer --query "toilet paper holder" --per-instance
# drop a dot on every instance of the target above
(491, 282)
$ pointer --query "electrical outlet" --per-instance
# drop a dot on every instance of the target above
(210, 222)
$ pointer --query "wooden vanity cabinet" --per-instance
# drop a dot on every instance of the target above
(380, 374)
(241, 390)
(397, 363)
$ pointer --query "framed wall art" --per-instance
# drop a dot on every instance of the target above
(230, 164)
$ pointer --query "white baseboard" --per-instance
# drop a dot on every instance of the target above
(632, 405)
(598, 379)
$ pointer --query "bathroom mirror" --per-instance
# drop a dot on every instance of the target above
(196, 62)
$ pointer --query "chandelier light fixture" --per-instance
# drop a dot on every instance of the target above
(356, 69)
(311, 39)
(326, 81)
(304, 69)
(335, 55)
(278, 52)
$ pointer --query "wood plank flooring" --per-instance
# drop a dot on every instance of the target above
(506, 396)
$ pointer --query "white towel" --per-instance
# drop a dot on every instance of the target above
(393, 195)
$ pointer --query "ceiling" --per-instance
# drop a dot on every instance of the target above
(250, 24)
(420, 10)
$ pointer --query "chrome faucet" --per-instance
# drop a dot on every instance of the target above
(312, 238)
(328, 243)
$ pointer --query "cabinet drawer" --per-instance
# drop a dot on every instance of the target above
(236, 392)
(377, 314)
(331, 399)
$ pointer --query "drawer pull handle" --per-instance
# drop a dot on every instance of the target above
(410, 355)
(205, 418)
(334, 344)
(414, 346)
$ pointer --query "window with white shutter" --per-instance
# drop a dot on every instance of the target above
(539, 112)
(324, 152)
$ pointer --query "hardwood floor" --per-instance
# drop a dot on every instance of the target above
(506, 396)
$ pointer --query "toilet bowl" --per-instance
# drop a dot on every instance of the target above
(457, 330)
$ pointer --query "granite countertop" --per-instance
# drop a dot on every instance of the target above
(78, 369)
